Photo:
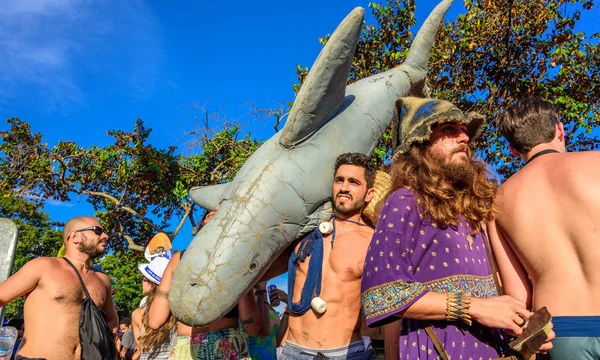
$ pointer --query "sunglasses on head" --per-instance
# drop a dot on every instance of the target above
(98, 230)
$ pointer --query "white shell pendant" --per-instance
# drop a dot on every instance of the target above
(319, 305)
(326, 228)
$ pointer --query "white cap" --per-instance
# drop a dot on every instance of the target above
(155, 270)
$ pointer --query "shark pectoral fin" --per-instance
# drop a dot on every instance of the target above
(323, 92)
(210, 196)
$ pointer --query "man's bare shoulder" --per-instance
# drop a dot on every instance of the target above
(581, 162)
(103, 277)
(365, 234)
(44, 263)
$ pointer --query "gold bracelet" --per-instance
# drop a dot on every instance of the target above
(162, 294)
(457, 307)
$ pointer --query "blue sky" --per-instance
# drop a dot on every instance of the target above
(75, 69)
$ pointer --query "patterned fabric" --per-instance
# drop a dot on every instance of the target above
(264, 348)
(226, 344)
(410, 256)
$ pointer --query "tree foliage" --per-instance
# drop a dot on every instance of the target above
(136, 189)
(494, 54)
(121, 268)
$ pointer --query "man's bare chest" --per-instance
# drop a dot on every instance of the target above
(342, 260)
(67, 289)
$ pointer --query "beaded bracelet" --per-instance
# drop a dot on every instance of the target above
(457, 307)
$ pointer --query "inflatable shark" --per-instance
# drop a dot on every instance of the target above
(283, 191)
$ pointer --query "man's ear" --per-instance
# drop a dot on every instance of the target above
(514, 151)
(370, 194)
(560, 132)
(75, 237)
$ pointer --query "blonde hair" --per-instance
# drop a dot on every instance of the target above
(152, 339)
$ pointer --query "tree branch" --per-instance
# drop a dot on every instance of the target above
(188, 209)
(117, 203)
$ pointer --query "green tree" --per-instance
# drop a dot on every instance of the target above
(36, 238)
(489, 57)
(121, 268)
(136, 189)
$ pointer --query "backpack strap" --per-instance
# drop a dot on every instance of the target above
(87, 294)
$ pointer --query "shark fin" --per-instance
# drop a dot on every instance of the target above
(418, 55)
(323, 92)
(209, 196)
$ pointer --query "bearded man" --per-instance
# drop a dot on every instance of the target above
(326, 268)
(53, 297)
(427, 262)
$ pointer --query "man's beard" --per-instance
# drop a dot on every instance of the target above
(460, 173)
(89, 248)
(354, 207)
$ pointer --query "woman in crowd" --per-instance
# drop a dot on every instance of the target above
(152, 344)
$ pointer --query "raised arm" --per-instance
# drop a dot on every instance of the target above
(260, 293)
(514, 277)
(249, 314)
(159, 311)
(23, 281)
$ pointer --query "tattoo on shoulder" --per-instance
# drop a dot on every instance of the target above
(248, 321)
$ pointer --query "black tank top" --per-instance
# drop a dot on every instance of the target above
(233, 313)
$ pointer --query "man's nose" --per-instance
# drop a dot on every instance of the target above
(463, 138)
(345, 186)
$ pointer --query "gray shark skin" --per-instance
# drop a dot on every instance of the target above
(9, 233)
(284, 188)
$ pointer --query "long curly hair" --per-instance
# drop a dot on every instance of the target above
(443, 200)
(152, 340)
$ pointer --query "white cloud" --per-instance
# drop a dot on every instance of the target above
(52, 202)
(50, 50)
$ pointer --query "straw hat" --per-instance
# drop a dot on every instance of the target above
(382, 184)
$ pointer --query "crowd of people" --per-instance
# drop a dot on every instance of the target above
(451, 266)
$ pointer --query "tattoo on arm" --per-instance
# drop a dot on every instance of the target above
(162, 294)
(247, 321)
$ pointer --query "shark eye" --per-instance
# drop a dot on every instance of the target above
(252, 266)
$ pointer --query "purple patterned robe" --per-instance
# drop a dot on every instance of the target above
(410, 256)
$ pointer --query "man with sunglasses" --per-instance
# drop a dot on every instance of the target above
(53, 293)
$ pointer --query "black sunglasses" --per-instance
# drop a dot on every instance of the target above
(98, 230)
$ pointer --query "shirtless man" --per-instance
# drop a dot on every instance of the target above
(53, 293)
(336, 332)
(548, 228)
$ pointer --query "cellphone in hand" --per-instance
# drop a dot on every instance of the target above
(274, 302)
